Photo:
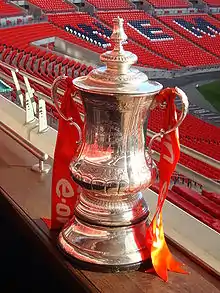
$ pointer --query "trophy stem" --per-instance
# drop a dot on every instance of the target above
(111, 211)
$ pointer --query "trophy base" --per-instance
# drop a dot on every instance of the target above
(109, 249)
(140, 266)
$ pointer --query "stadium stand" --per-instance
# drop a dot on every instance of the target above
(217, 15)
(193, 164)
(89, 30)
(111, 4)
(8, 9)
(202, 202)
(37, 61)
(170, 3)
(194, 139)
(53, 6)
(212, 3)
(200, 28)
(34, 32)
(214, 197)
(149, 32)
(181, 197)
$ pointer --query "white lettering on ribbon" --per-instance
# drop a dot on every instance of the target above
(63, 190)
(168, 144)
(162, 196)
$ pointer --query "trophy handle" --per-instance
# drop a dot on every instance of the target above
(185, 105)
(57, 106)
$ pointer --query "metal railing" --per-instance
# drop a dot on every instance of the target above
(41, 156)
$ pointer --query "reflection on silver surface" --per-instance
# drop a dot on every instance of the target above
(105, 246)
(112, 166)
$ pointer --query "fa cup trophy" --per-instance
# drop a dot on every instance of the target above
(113, 165)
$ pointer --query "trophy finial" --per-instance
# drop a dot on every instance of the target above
(118, 36)
(118, 59)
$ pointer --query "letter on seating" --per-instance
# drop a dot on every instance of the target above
(199, 28)
(144, 28)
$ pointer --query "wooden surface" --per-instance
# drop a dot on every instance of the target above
(29, 194)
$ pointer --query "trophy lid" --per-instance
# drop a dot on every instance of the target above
(117, 77)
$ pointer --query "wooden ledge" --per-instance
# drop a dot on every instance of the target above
(25, 198)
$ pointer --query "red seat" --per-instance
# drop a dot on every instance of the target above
(194, 211)
(6, 9)
(53, 6)
(192, 196)
(111, 5)
(212, 3)
(212, 196)
(170, 3)
(174, 47)
(191, 209)
(145, 57)
(205, 40)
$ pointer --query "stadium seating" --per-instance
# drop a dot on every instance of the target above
(40, 72)
(38, 62)
(212, 3)
(190, 207)
(208, 145)
(170, 3)
(192, 134)
(202, 29)
(195, 198)
(90, 31)
(7, 9)
(191, 163)
(53, 6)
(199, 167)
(47, 67)
(214, 197)
(217, 15)
(152, 34)
(31, 33)
(83, 26)
(111, 4)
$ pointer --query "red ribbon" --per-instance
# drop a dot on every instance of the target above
(161, 256)
(65, 192)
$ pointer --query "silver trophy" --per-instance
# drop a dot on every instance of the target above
(113, 165)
